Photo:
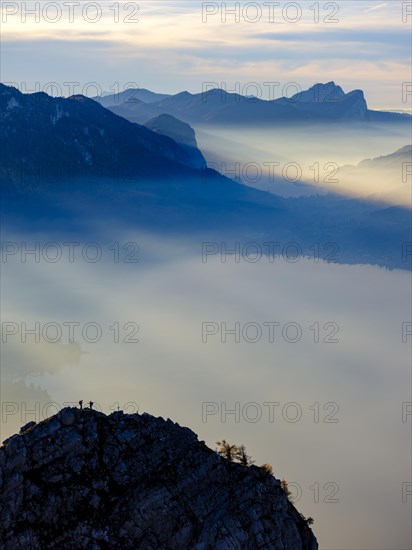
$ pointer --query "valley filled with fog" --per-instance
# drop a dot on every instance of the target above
(319, 371)
(306, 159)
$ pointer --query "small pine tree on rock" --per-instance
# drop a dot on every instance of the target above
(285, 488)
(268, 468)
(227, 451)
(242, 456)
(308, 521)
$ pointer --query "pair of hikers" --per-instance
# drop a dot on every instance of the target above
(81, 404)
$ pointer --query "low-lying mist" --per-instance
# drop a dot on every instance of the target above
(308, 159)
(306, 363)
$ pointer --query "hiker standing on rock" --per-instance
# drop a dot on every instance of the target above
(81, 403)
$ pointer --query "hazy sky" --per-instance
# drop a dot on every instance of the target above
(176, 45)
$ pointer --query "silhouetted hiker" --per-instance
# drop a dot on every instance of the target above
(91, 404)
(81, 403)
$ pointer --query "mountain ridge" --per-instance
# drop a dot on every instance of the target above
(157, 193)
(81, 479)
(322, 103)
(87, 138)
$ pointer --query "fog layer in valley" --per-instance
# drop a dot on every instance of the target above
(326, 410)
(307, 159)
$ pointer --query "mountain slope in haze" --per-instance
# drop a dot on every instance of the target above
(319, 93)
(176, 129)
(82, 480)
(153, 192)
(132, 95)
(321, 103)
(391, 172)
(180, 132)
(325, 102)
(53, 137)
(391, 161)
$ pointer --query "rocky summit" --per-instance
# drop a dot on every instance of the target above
(81, 479)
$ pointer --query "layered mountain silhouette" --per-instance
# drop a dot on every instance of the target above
(321, 103)
(393, 161)
(131, 95)
(58, 161)
(54, 137)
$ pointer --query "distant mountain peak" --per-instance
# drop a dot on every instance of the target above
(183, 94)
(83, 99)
(357, 92)
(320, 93)
(131, 97)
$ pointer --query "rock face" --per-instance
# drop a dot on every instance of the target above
(180, 132)
(170, 126)
(82, 479)
(325, 102)
(320, 93)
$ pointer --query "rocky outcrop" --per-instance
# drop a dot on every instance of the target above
(182, 133)
(170, 126)
(82, 479)
(354, 106)
(325, 102)
(320, 93)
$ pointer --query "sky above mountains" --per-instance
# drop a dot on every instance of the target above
(268, 49)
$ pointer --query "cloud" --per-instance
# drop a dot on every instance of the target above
(377, 7)
(172, 45)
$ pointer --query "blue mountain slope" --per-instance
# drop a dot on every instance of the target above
(46, 135)
(132, 95)
(154, 190)
(180, 132)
